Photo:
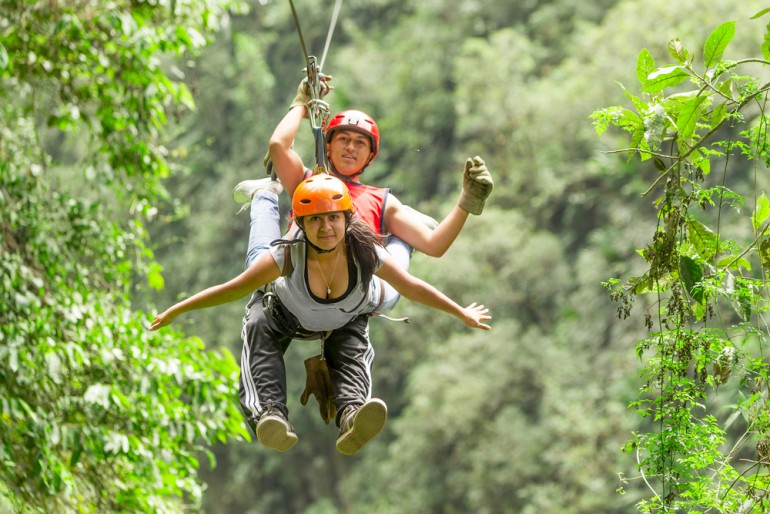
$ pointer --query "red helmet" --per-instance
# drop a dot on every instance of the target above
(319, 194)
(358, 121)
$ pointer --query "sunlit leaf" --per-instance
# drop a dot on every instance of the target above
(703, 239)
(645, 65)
(4, 61)
(761, 212)
(663, 78)
(717, 43)
(689, 116)
(734, 262)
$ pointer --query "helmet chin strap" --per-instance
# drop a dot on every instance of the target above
(317, 249)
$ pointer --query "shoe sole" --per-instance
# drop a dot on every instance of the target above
(274, 434)
(367, 423)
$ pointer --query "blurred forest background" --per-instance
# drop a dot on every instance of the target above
(530, 418)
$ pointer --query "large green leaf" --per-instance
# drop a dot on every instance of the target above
(761, 212)
(689, 115)
(645, 65)
(691, 274)
(662, 78)
(703, 239)
(717, 43)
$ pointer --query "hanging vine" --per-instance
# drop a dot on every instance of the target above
(703, 125)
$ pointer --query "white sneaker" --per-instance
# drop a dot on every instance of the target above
(244, 191)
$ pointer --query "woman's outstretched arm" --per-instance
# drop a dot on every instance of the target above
(264, 270)
(420, 291)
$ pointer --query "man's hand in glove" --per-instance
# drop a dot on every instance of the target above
(268, 163)
(477, 185)
(303, 91)
(319, 384)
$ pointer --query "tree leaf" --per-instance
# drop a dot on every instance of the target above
(761, 212)
(691, 274)
(764, 253)
(659, 80)
(734, 263)
(689, 115)
(3, 58)
(645, 65)
(678, 51)
(717, 43)
(703, 239)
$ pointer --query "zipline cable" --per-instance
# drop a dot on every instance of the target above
(318, 109)
(332, 24)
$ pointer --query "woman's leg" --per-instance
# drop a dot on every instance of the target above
(349, 356)
(262, 391)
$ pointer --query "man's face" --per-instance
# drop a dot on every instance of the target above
(349, 151)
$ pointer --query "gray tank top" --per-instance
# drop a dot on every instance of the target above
(315, 316)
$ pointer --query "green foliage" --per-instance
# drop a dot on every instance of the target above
(707, 336)
(96, 413)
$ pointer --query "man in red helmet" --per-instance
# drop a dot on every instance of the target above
(352, 143)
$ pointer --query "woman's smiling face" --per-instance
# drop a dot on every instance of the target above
(325, 230)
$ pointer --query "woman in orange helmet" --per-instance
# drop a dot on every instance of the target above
(322, 282)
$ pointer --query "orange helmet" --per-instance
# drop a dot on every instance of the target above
(319, 194)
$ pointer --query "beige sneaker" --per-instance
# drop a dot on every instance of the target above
(274, 432)
(360, 425)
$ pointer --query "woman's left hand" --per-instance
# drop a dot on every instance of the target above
(475, 315)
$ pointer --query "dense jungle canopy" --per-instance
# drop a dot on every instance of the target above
(124, 127)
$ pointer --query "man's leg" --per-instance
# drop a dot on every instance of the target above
(402, 254)
(265, 225)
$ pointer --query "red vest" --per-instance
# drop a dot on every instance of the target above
(370, 204)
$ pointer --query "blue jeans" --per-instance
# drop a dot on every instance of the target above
(401, 254)
(265, 226)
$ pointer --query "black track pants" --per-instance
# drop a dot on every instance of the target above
(267, 333)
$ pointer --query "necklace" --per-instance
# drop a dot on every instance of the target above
(334, 270)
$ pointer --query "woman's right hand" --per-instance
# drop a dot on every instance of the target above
(475, 314)
(162, 319)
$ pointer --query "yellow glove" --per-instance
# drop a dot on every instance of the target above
(477, 185)
(268, 163)
(303, 91)
(303, 95)
(319, 384)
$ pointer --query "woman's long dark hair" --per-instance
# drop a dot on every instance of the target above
(362, 242)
